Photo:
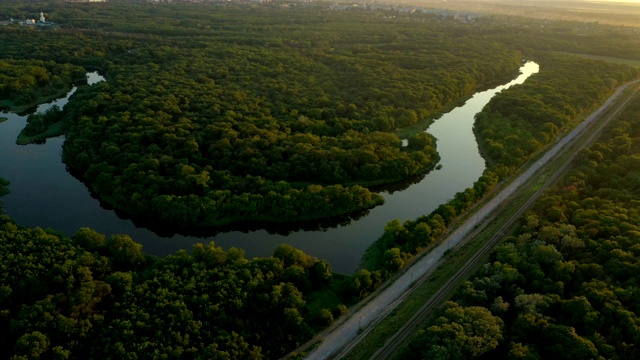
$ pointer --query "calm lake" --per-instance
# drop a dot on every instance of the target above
(44, 194)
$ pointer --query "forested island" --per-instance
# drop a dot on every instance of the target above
(212, 115)
(27, 82)
(210, 121)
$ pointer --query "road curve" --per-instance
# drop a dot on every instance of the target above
(376, 308)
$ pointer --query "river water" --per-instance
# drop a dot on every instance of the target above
(44, 194)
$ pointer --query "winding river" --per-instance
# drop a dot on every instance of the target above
(44, 194)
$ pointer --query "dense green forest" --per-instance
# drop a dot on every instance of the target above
(92, 297)
(206, 120)
(515, 125)
(218, 114)
(565, 284)
(41, 126)
(213, 115)
(26, 83)
(88, 296)
(3, 187)
(519, 122)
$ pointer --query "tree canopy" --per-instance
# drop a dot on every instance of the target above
(91, 297)
(26, 83)
(564, 284)
(213, 115)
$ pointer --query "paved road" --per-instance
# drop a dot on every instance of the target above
(386, 300)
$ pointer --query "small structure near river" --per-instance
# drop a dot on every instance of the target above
(42, 21)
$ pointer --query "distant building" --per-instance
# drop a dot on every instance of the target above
(42, 21)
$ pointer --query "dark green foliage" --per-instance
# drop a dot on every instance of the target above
(213, 115)
(511, 117)
(566, 284)
(89, 239)
(29, 82)
(4, 190)
(125, 254)
(460, 333)
(52, 292)
(38, 123)
(60, 296)
(514, 126)
(217, 115)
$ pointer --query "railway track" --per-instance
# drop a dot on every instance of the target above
(393, 344)
(337, 341)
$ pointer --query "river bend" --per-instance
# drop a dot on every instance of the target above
(44, 194)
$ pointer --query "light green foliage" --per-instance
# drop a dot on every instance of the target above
(27, 82)
(564, 285)
(124, 252)
(4, 190)
(516, 124)
(461, 333)
(205, 120)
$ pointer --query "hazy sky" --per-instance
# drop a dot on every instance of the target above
(625, 1)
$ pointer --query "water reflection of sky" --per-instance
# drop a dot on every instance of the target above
(44, 194)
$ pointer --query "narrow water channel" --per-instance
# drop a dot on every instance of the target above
(44, 194)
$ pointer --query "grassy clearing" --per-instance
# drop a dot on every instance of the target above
(456, 259)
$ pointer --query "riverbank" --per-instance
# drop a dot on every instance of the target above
(52, 94)
(58, 200)
(423, 125)
(52, 130)
(4, 190)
